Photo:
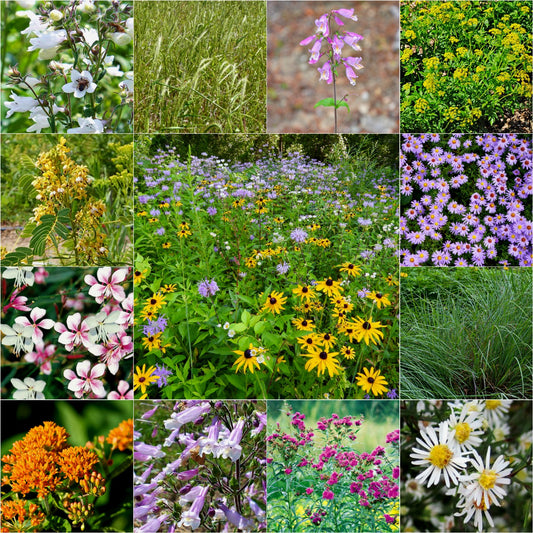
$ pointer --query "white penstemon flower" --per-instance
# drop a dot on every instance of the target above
(81, 84)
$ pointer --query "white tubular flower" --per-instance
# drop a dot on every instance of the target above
(49, 40)
(440, 455)
(82, 83)
(20, 104)
(88, 125)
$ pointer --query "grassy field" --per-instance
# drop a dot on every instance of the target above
(466, 333)
(200, 66)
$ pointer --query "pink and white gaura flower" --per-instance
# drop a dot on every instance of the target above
(75, 333)
(107, 285)
(126, 316)
(81, 84)
(22, 275)
(87, 380)
(42, 356)
(102, 325)
(28, 389)
(18, 336)
(36, 314)
(123, 392)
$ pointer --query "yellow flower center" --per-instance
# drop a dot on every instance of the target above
(440, 455)
(487, 479)
(462, 432)
(493, 404)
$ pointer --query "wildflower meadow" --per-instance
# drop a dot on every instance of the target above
(466, 200)
(67, 200)
(66, 333)
(67, 67)
(466, 66)
(275, 277)
(200, 466)
(66, 467)
(333, 466)
(466, 465)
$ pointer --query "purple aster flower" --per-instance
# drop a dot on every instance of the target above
(282, 268)
(211, 211)
(208, 288)
(298, 235)
(162, 373)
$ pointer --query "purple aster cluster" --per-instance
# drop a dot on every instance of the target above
(205, 456)
(334, 42)
(467, 200)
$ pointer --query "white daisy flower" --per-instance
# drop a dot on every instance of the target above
(486, 486)
(440, 455)
(470, 508)
(496, 410)
(466, 428)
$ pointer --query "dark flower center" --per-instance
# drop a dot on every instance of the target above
(248, 353)
(309, 340)
(379, 295)
(137, 273)
(323, 355)
(329, 282)
(370, 380)
(272, 301)
(141, 379)
(327, 337)
(304, 323)
(305, 289)
(153, 301)
(350, 331)
(150, 339)
(367, 325)
(350, 266)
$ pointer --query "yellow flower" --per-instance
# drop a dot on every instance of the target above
(304, 292)
(329, 287)
(367, 330)
(152, 341)
(351, 269)
(379, 299)
(250, 358)
(143, 378)
(372, 381)
(302, 324)
(274, 302)
(322, 360)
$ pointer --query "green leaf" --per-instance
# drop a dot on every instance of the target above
(236, 381)
(238, 328)
(330, 102)
(245, 317)
(49, 225)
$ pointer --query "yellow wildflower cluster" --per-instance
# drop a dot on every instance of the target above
(63, 184)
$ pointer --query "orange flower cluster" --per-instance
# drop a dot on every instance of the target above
(20, 515)
(43, 462)
(121, 437)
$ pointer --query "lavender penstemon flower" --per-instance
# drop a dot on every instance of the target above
(329, 43)
(207, 473)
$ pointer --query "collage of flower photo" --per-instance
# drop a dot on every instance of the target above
(266, 266)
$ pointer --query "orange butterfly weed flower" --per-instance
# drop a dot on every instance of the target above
(121, 437)
(76, 462)
(20, 515)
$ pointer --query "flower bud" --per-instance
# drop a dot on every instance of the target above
(56, 15)
(120, 39)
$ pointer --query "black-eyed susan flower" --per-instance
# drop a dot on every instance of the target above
(348, 328)
(155, 302)
(148, 313)
(372, 381)
(143, 377)
(330, 287)
(274, 302)
(391, 280)
(308, 341)
(367, 330)
(351, 269)
(327, 340)
(166, 244)
(380, 299)
(303, 324)
(169, 287)
(152, 341)
(249, 358)
(348, 352)
(322, 360)
(305, 292)
(138, 276)
(183, 233)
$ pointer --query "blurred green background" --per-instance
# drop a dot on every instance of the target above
(380, 417)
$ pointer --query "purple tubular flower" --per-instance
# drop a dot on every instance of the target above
(347, 13)
(322, 25)
(187, 474)
(236, 519)
(191, 518)
(326, 73)
(315, 52)
(153, 525)
(189, 414)
(146, 452)
(231, 447)
(298, 235)
(207, 288)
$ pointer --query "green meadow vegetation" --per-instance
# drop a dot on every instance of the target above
(466, 333)
(200, 66)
